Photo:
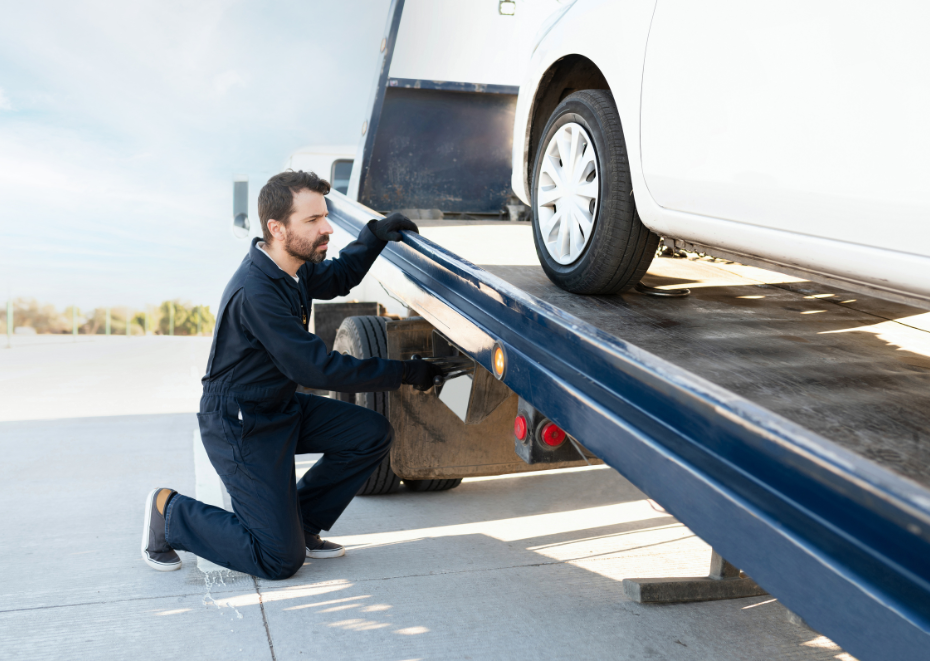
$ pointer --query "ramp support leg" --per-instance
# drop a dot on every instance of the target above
(723, 582)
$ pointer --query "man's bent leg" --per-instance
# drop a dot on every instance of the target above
(263, 536)
(353, 441)
(215, 534)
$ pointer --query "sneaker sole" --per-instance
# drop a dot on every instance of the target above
(158, 566)
(331, 553)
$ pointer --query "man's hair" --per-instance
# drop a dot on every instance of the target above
(276, 199)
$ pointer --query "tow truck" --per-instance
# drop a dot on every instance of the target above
(784, 421)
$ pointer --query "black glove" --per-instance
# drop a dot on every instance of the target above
(420, 374)
(388, 229)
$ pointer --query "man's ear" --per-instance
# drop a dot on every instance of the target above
(276, 229)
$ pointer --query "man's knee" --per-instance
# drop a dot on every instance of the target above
(285, 567)
(294, 562)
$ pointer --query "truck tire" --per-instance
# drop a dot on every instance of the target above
(432, 485)
(366, 337)
(588, 235)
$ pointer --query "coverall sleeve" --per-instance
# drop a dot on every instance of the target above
(336, 277)
(303, 357)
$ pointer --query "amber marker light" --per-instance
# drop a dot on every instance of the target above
(500, 362)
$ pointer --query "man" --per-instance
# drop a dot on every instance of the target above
(253, 422)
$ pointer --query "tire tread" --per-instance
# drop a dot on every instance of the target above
(366, 337)
(433, 485)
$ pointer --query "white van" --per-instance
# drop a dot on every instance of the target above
(790, 135)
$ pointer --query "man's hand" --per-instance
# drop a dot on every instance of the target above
(420, 374)
(388, 229)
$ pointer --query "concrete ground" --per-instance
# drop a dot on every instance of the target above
(524, 567)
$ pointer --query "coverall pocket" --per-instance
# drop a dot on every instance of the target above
(259, 429)
(215, 442)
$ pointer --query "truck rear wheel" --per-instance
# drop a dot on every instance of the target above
(432, 485)
(588, 235)
(366, 337)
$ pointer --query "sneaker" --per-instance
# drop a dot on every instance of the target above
(155, 550)
(320, 548)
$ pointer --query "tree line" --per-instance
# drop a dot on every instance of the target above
(170, 318)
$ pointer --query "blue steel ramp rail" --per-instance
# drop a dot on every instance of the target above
(837, 539)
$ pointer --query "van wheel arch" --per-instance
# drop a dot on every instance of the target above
(569, 74)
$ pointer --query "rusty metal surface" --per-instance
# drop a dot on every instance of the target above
(856, 373)
(813, 523)
(439, 149)
(431, 442)
(851, 367)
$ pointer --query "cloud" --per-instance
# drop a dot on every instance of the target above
(132, 118)
(226, 80)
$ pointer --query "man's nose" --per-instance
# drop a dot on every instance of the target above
(326, 229)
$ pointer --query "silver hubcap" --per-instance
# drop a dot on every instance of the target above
(567, 192)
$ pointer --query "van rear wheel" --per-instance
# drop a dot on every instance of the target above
(588, 235)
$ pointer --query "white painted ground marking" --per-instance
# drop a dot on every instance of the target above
(209, 490)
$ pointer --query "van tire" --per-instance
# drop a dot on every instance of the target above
(620, 248)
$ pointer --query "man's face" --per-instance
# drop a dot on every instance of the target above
(306, 235)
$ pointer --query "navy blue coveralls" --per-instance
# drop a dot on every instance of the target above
(253, 422)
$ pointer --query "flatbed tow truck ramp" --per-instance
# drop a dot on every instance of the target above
(796, 448)
(784, 422)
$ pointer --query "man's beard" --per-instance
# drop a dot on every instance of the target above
(300, 248)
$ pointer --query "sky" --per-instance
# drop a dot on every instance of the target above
(122, 125)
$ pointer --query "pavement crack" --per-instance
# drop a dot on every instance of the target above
(106, 601)
(261, 605)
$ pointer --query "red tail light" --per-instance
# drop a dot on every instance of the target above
(519, 427)
(552, 435)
